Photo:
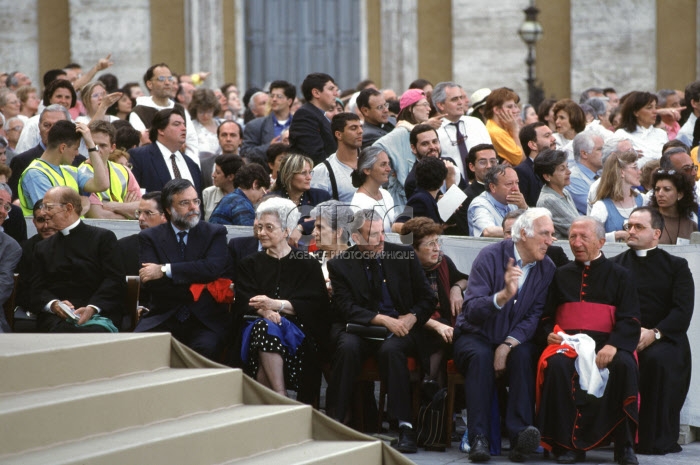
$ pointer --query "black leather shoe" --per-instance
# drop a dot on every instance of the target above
(407, 441)
(572, 456)
(626, 456)
(480, 449)
(526, 443)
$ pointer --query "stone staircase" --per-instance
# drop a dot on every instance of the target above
(146, 399)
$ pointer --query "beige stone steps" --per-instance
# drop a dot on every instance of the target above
(49, 416)
(320, 452)
(39, 361)
(215, 437)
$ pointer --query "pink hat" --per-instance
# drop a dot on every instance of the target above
(410, 97)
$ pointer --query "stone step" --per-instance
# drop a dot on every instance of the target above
(40, 362)
(320, 452)
(215, 437)
(48, 416)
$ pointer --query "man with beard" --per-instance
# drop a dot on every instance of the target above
(177, 255)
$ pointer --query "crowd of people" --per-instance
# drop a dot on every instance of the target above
(592, 351)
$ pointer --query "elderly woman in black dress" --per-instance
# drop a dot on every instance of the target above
(285, 289)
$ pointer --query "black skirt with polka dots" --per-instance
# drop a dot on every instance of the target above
(261, 340)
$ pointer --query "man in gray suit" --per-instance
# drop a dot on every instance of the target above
(261, 132)
(10, 253)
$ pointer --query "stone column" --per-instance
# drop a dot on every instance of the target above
(399, 44)
(204, 39)
(487, 50)
(123, 29)
(613, 44)
(19, 38)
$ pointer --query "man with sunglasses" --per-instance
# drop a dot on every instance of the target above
(162, 85)
(666, 295)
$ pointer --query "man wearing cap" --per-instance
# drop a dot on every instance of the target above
(458, 133)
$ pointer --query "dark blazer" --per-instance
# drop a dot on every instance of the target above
(129, 251)
(256, 139)
(84, 268)
(19, 163)
(239, 248)
(15, 225)
(152, 173)
(372, 133)
(206, 259)
(310, 133)
(423, 204)
(405, 279)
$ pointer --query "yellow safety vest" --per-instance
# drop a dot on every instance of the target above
(118, 182)
(66, 178)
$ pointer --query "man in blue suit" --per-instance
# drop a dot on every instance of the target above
(175, 256)
(156, 164)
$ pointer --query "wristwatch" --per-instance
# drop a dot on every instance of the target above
(509, 344)
(657, 334)
(94, 149)
(163, 269)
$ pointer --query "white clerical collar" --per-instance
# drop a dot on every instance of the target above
(66, 231)
(643, 252)
(588, 263)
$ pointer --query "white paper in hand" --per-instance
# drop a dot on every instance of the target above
(449, 202)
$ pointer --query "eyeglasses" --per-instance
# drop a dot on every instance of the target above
(637, 226)
(437, 243)
(49, 207)
(689, 168)
(148, 213)
(165, 78)
(99, 94)
(187, 203)
(6, 206)
(383, 107)
(267, 227)
(304, 173)
(278, 96)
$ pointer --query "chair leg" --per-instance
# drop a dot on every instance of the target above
(451, 385)
(382, 399)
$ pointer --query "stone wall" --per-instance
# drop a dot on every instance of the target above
(487, 50)
(613, 44)
(98, 29)
(19, 38)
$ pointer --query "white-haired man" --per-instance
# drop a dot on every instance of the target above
(502, 307)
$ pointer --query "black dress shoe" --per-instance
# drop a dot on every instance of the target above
(626, 456)
(572, 456)
(480, 449)
(526, 443)
(407, 441)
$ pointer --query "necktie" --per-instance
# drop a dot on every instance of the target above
(184, 312)
(181, 242)
(461, 145)
(176, 170)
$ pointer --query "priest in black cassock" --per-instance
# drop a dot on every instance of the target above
(597, 297)
(666, 297)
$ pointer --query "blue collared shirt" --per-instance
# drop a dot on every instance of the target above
(278, 127)
(581, 179)
(485, 211)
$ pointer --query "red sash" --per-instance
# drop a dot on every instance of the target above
(586, 316)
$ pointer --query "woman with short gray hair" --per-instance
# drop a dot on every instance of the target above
(285, 290)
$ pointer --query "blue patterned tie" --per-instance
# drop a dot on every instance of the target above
(181, 242)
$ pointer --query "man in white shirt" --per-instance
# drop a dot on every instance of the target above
(458, 133)
(333, 175)
(163, 86)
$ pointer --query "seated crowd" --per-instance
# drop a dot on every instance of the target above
(316, 291)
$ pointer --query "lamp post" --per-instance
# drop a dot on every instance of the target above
(530, 32)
